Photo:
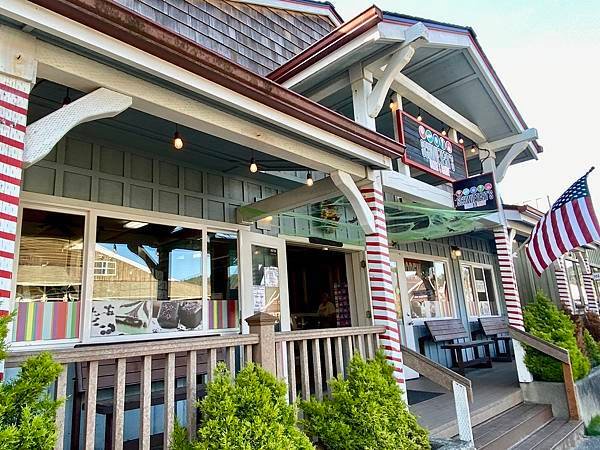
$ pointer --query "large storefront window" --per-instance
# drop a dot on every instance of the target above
(479, 289)
(49, 276)
(223, 294)
(427, 289)
(575, 280)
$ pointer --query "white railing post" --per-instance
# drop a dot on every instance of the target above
(463, 414)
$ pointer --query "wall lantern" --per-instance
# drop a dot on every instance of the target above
(455, 252)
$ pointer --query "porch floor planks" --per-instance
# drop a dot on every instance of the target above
(494, 391)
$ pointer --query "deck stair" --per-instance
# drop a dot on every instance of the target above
(527, 426)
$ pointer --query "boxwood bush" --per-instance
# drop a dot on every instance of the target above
(544, 320)
(364, 411)
(248, 413)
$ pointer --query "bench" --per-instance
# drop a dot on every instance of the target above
(106, 374)
(452, 335)
(495, 328)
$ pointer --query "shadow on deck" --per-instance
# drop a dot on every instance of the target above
(494, 391)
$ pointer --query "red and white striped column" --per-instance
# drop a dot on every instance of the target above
(14, 100)
(564, 294)
(588, 284)
(508, 277)
(380, 281)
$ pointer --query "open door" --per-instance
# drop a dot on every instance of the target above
(264, 278)
(405, 323)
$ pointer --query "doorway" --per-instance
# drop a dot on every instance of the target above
(319, 294)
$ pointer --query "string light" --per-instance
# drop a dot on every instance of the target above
(177, 141)
(253, 166)
(67, 99)
(444, 132)
(419, 117)
(309, 179)
(473, 149)
(461, 140)
(392, 103)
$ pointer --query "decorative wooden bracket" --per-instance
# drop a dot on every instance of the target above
(44, 134)
(518, 143)
(414, 37)
(346, 185)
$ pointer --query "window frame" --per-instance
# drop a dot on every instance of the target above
(91, 211)
(420, 321)
(579, 279)
(483, 266)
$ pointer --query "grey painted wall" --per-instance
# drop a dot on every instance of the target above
(529, 283)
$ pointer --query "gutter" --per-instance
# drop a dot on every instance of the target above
(131, 28)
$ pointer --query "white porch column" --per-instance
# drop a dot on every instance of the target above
(380, 281)
(17, 77)
(564, 294)
(588, 284)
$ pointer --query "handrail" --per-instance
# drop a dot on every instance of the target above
(300, 335)
(558, 353)
(132, 349)
(435, 372)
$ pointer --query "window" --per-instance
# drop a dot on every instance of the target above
(479, 289)
(49, 276)
(428, 292)
(223, 294)
(105, 268)
(575, 281)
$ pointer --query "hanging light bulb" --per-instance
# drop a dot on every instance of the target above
(444, 132)
(461, 140)
(67, 99)
(253, 166)
(177, 141)
(419, 117)
(309, 179)
(392, 103)
(473, 149)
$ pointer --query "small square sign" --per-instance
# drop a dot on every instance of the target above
(476, 193)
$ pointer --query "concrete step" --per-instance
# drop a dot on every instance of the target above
(559, 434)
(511, 427)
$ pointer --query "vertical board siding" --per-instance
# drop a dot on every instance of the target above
(257, 37)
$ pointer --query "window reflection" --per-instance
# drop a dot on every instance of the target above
(427, 288)
(223, 293)
(265, 280)
(479, 290)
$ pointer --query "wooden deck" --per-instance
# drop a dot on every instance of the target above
(494, 391)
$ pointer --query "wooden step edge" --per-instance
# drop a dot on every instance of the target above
(532, 441)
(492, 425)
(566, 437)
(536, 419)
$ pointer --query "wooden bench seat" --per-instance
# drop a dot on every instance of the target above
(495, 328)
(454, 337)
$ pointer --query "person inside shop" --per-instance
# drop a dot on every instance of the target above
(327, 316)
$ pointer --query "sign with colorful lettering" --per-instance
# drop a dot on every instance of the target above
(476, 193)
(430, 151)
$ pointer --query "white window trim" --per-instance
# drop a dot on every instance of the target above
(494, 283)
(580, 286)
(419, 321)
(91, 211)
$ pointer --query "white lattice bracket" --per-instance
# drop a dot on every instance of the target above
(44, 134)
(463, 414)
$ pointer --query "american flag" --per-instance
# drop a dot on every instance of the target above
(570, 223)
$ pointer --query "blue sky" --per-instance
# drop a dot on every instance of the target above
(547, 53)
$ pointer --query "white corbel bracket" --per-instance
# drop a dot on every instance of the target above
(346, 185)
(415, 36)
(518, 143)
(44, 134)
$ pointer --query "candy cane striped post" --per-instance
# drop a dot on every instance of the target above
(588, 284)
(511, 296)
(14, 101)
(380, 281)
(564, 294)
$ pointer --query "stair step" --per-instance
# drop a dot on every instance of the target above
(537, 437)
(565, 437)
(511, 427)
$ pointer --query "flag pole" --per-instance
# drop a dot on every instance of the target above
(590, 171)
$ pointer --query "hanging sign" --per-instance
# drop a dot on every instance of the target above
(596, 276)
(476, 193)
(429, 150)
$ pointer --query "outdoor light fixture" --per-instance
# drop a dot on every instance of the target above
(455, 252)
(253, 166)
(309, 179)
(177, 141)
(444, 132)
(392, 103)
(461, 140)
(419, 117)
(473, 149)
(67, 99)
(134, 225)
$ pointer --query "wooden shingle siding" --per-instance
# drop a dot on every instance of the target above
(257, 37)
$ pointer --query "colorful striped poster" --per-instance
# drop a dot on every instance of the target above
(223, 314)
(42, 321)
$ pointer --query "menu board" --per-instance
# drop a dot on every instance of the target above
(342, 304)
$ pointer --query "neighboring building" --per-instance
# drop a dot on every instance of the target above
(222, 158)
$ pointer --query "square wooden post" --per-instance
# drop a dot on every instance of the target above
(264, 353)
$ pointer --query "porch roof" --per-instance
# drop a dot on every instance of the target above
(452, 66)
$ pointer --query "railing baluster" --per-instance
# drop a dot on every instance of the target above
(90, 412)
(119, 404)
(339, 356)
(248, 353)
(316, 349)
(361, 346)
(169, 400)
(190, 402)
(350, 348)
(291, 362)
(231, 361)
(328, 362)
(145, 402)
(61, 393)
(304, 369)
(279, 364)
(370, 346)
(211, 364)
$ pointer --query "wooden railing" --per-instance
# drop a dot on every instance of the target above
(460, 386)
(230, 349)
(330, 351)
(558, 353)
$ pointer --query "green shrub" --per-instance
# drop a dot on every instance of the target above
(365, 411)
(592, 348)
(246, 414)
(27, 412)
(593, 428)
(544, 320)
